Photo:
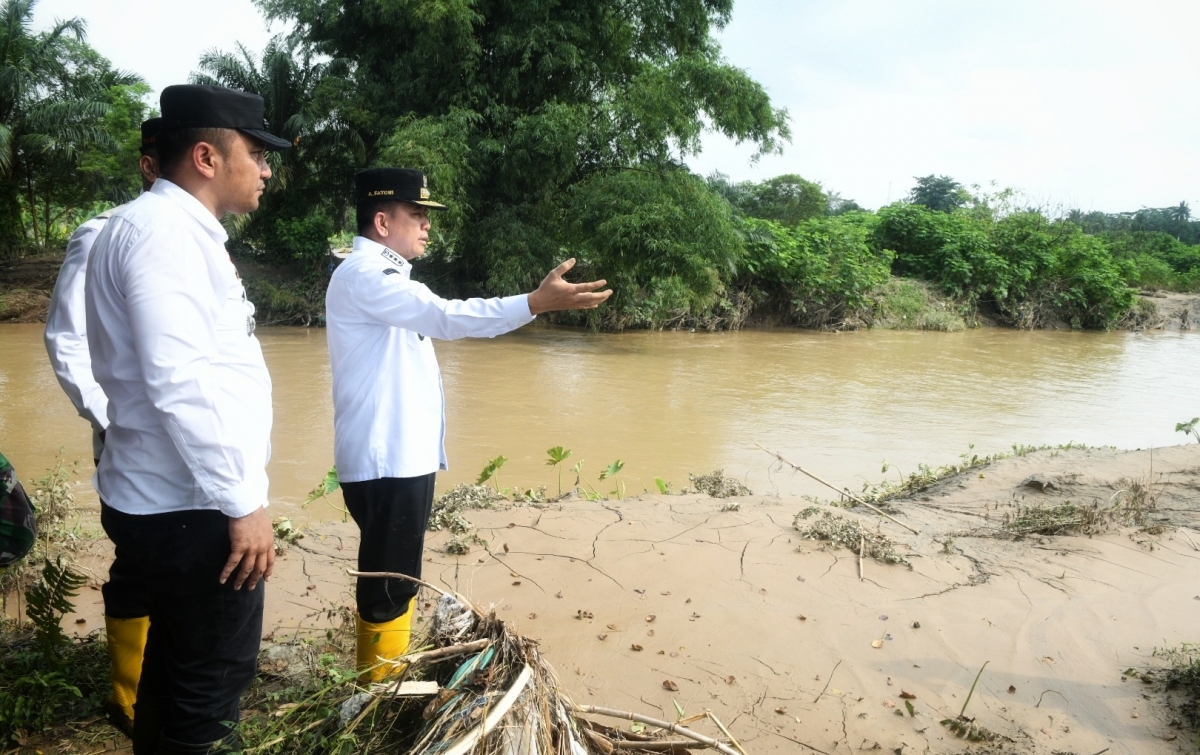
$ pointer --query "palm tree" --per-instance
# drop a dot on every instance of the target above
(304, 104)
(50, 111)
(291, 88)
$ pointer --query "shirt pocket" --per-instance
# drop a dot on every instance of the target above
(237, 313)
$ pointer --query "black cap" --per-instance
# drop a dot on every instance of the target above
(150, 131)
(396, 184)
(202, 106)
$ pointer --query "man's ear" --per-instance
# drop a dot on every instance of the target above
(149, 168)
(382, 221)
(204, 159)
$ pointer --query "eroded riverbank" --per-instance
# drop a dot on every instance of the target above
(779, 635)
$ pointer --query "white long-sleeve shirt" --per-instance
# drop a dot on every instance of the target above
(66, 332)
(388, 405)
(172, 342)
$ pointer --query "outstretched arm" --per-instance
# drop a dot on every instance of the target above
(556, 294)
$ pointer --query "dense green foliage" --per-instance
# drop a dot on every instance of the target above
(66, 119)
(524, 112)
(559, 128)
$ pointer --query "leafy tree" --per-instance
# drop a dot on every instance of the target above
(54, 96)
(511, 104)
(306, 199)
(939, 193)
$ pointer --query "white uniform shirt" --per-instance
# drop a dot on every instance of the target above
(66, 332)
(389, 416)
(172, 342)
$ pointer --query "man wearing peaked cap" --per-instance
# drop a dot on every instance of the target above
(182, 480)
(389, 414)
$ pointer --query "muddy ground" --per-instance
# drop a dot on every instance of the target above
(779, 636)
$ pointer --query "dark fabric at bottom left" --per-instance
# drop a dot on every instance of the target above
(202, 651)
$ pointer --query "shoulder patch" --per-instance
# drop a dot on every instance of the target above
(390, 271)
(392, 257)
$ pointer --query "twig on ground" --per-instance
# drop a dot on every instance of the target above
(827, 681)
(725, 731)
(673, 728)
(862, 546)
(415, 659)
(422, 583)
(842, 491)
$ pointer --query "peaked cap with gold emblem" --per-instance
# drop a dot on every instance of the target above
(394, 184)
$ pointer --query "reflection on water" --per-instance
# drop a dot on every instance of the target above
(673, 403)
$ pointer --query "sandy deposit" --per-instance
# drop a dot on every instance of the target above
(780, 638)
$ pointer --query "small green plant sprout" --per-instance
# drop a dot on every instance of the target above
(327, 485)
(490, 470)
(1189, 428)
(663, 486)
(554, 457)
(966, 728)
(612, 470)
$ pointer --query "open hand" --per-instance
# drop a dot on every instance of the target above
(252, 546)
(556, 294)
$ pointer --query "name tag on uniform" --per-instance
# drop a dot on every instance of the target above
(392, 257)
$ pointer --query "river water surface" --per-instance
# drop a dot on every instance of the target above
(669, 404)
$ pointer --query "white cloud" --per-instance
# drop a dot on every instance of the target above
(1088, 103)
(1085, 103)
(161, 41)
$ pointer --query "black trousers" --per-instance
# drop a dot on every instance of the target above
(202, 650)
(392, 514)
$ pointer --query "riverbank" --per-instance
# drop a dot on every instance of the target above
(287, 296)
(1060, 569)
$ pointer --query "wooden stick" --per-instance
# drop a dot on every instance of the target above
(846, 493)
(725, 731)
(415, 659)
(657, 744)
(862, 546)
(498, 711)
(673, 728)
(422, 583)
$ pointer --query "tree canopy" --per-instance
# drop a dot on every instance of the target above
(517, 108)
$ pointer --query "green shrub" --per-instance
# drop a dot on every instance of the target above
(820, 273)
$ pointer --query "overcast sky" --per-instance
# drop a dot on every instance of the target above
(1080, 103)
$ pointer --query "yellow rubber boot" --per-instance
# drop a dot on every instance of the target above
(126, 645)
(379, 643)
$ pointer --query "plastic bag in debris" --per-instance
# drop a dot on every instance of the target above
(451, 619)
(352, 707)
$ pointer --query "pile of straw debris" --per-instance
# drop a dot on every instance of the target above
(470, 686)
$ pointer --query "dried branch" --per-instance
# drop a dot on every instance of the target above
(841, 491)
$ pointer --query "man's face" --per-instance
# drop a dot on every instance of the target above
(407, 228)
(242, 174)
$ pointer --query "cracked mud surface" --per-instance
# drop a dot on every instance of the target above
(1057, 618)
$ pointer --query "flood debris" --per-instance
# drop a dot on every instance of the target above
(448, 507)
(840, 532)
(718, 485)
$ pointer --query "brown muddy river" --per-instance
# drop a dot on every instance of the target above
(672, 403)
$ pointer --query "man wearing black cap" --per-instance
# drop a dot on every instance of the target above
(126, 617)
(389, 418)
(183, 481)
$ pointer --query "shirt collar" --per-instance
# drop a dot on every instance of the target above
(194, 207)
(364, 244)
